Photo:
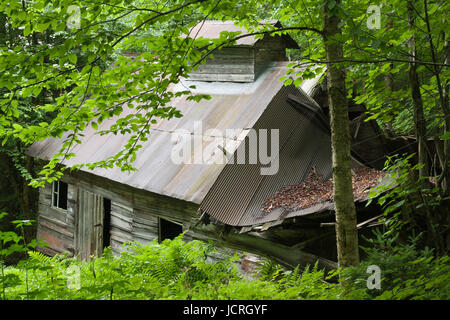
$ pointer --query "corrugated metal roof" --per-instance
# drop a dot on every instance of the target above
(240, 190)
(211, 29)
(232, 106)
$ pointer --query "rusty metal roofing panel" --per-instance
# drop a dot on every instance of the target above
(232, 106)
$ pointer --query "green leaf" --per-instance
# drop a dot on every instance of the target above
(73, 58)
(27, 30)
(96, 71)
(446, 136)
(331, 4)
(288, 82)
(17, 126)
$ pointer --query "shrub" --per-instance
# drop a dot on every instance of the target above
(406, 271)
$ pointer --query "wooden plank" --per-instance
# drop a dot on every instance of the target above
(45, 195)
(107, 189)
(121, 236)
(125, 212)
(121, 218)
(223, 77)
(52, 220)
(144, 238)
(117, 247)
(270, 55)
(225, 68)
(53, 225)
(285, 255)
(117, 222)
(52, 212)
(145, 227)
(233, 51)
(150, 228)
(146, 233)
(61, 234)
(45, 199)
(168, 213)
(373, 219)
(148, 222)
(229, 64)
(98, 215)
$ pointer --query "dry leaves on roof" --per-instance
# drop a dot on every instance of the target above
(314, 190)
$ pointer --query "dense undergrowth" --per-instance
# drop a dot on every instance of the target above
(175, 269)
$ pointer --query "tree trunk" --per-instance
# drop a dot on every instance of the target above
(389, 81)
(346, 231)
(443, 101)
(419, 117)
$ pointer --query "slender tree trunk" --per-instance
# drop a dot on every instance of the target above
(443, 101)
(389, 81)
(26, 190)
(346, 231)
(419, 116)
(388, 127)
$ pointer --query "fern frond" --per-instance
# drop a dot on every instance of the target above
(40, 257)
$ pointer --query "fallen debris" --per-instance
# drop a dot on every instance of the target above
(314, 190)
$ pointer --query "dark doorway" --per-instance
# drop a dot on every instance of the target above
(106, 223)
(168, 229)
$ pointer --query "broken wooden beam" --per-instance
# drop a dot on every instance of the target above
(287, 256)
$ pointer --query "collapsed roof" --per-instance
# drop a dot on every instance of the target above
(314, 190)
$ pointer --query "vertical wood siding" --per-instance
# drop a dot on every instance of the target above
(89, 225)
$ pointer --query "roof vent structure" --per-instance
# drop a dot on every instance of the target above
(245, 60)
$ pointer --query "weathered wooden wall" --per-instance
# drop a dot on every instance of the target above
(235, 64)
(241, 64)
(56, 226)
(133, 217)
(270, 49)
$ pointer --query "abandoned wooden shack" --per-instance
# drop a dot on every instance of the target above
(88, 210)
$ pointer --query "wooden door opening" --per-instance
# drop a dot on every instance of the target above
(106, 222)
